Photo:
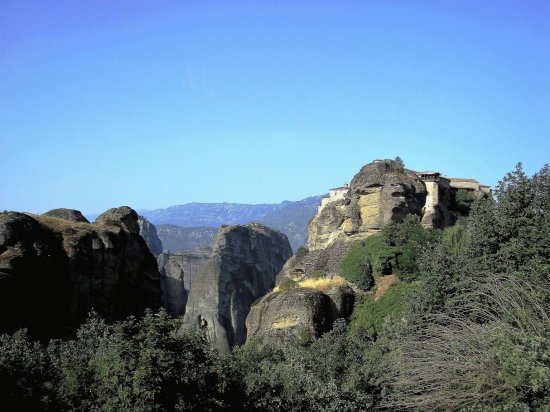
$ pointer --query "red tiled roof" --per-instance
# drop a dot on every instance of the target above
(460, 179)
(341, 187)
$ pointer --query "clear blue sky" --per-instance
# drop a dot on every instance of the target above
(156, 103)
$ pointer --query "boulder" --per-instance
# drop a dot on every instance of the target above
(384, 192)
(67, 214)
(123, 217)
(301, 311)
(244, 262)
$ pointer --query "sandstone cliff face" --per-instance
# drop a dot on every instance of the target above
(56, 267)
(381, 192)
(299, 311)
(178, 272)
(148, 232)
(242, 268)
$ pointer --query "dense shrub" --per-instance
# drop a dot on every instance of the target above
(462, 200)
(372, 255)
(301, 253)
(370, 316)
(290, 375)
(134, 365)
(408, 240)
(492, 352)
(27, 380)
(287, 284)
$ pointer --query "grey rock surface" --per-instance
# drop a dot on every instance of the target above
(342, 301)
(123, 216)
(242, 268)
(178, 272)
(327, 261)
(299, 311)
(148, 232)
(67, 214)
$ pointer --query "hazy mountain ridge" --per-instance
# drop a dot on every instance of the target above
(176, 238)
(289, 217)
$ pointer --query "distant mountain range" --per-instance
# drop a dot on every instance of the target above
(198, 222)
(176, 238)
(198, 219)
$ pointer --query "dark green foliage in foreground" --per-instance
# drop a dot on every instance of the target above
(490, 353)
(143, 365)
(477, 335)
(26, 377)
(291, 375)
(522, 215)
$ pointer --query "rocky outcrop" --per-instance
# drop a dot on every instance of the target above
(382, 192)
(148, 232)
(67, 214)
(178, 272)
(242, 268)
(299, 311)
(54, 270)
(342, 301)
(326, 261)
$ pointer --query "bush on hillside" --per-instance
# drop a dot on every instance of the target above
(301, 253)
(370, 316)
(372, 255)
(287, 284)
(462, 200)
(408, 240)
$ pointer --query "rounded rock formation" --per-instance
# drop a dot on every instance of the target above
(295, 311)
(67, 214)
(54, 270)
(382, 192)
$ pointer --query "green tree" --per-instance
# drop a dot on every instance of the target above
(482, 241)
(462, 200)
(27, 380)
(408, 239)
(400, 163)
(523, 221)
